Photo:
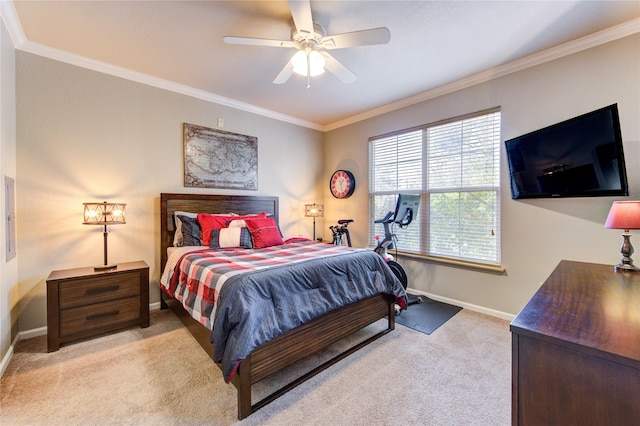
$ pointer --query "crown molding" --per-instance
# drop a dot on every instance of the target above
(610, 34)
(10, 19)
(83, 62)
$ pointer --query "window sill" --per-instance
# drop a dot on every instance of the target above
(483, 267)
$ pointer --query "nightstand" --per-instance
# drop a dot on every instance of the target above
(83, 303)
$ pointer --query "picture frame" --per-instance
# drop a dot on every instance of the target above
(218, 159)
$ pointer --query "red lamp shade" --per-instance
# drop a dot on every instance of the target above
(624, 215)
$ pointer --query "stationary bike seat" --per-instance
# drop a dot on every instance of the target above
(343, 221)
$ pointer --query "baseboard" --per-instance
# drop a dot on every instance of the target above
(469, 306)
(7, 357)
(42, 331)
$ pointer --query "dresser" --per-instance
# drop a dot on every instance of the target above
(83, 303)
(576, 349)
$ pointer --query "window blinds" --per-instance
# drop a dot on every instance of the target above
(455, 167)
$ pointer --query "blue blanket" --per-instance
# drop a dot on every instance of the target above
(255, 307)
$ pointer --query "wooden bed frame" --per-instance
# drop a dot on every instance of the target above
(285, 349)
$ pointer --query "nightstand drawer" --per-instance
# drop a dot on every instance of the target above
(84, 318)
(86, 291)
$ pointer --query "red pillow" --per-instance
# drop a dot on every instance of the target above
(264, 232)
(210, 222)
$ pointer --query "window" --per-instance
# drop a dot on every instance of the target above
(455, 167)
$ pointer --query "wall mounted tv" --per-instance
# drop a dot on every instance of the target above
(580, 157)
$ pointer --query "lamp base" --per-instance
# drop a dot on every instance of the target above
(626, 267)
(626, 263)
(105, 267)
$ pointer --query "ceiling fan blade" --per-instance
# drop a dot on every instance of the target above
(302, 18)
(380, 35)
(284, 75)
(337, 69)
(249, 41)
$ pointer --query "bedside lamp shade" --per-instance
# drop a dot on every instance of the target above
(313, 210)
(104, 214)
(625, 215)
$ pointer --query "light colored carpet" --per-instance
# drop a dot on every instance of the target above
(459, 375)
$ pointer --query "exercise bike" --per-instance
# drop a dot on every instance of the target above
(341, 236)
(406, 210)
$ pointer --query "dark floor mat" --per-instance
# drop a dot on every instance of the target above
(427, 316)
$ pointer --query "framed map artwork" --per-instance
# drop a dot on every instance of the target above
(218, 159)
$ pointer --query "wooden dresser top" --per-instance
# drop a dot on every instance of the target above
(587, 305)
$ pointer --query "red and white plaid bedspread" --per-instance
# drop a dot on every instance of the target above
(195, 276)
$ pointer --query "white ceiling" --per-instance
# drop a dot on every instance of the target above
(434, 44)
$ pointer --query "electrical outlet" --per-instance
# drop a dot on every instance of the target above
(220, 122)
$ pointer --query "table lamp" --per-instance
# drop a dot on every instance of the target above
(625, 215)
(104, 214)
(313, 210)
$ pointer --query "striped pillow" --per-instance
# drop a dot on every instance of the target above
(231, 237)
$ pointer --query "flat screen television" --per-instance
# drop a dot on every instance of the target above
(580, 157)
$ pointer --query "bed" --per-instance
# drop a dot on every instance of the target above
(293, 344)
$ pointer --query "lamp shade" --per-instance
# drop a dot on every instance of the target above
(313, 210)
(624, 215)
(104, 213)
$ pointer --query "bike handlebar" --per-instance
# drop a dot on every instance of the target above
(386, 219)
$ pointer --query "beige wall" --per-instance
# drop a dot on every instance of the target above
(86, 136)
(536, 234)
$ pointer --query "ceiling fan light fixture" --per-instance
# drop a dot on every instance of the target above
(312, 42)
(313, 62)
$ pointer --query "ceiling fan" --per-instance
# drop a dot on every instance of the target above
(312, 42)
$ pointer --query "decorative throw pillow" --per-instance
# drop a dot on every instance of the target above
(237, 223)
(241, 222)
(191, 232)
(231, 237)
(264, 232)
(210, 222)
(177, 236)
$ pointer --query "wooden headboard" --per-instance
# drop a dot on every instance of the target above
(204, 203)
